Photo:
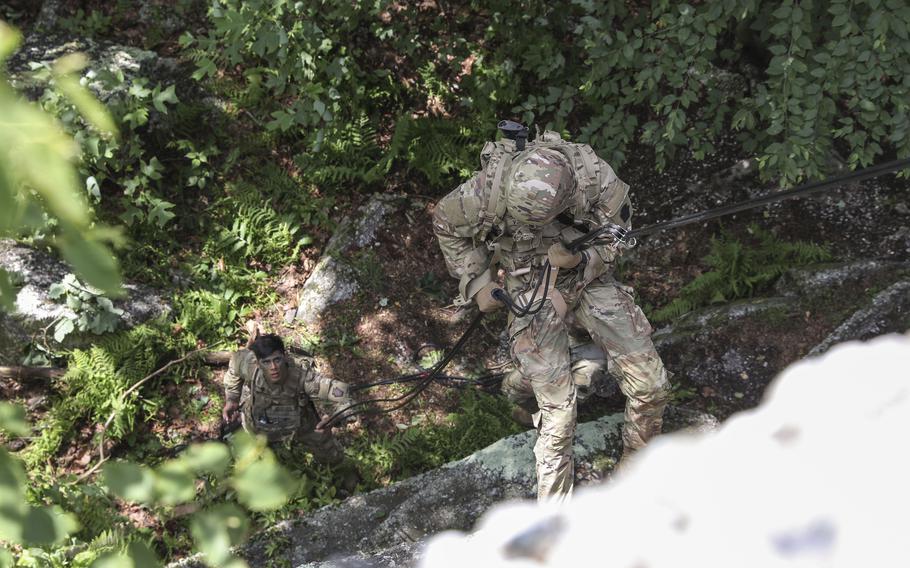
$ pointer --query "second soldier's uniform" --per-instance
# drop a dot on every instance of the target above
(507, 216)
(286, 410)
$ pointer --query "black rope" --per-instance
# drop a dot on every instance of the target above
(521, 311)
(800, 191)
(424, 380)
(621, 235)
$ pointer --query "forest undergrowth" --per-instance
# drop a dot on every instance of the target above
(229, 173)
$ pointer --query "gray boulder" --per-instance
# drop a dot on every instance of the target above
(728, 354)
(131, 62)
(333, 279)
(36, 271)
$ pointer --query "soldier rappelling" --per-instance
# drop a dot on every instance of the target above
(517, 214)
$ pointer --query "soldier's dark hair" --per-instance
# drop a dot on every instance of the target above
(265, 345)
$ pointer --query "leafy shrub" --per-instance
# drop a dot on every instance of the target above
(91, 311)
(795, 80)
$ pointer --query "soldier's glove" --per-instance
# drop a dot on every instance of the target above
(485, 300)
(324, 425)
(561, 257)
(229, 413)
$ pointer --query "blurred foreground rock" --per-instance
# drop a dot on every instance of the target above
(384, 527)
(815, 477)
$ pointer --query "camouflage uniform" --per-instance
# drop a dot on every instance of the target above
(285, 411)
(478, 229)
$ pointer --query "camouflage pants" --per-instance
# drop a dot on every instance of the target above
(540, 349)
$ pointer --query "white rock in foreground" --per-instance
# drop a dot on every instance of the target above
(815, 477)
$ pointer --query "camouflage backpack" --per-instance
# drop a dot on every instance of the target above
(591, 175)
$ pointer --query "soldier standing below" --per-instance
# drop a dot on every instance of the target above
(274, 395)
(517, 213)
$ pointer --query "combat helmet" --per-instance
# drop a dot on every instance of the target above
(540, 187)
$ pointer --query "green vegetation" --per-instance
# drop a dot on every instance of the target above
(306, 104)
(816, 76)
(741, 270)
(423, 445)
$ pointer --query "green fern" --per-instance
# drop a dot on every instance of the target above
(441, 149)
(348, 155)
(259, 232)
(740, 271)
(94, 383)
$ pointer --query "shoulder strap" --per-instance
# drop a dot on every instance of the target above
(496, 158)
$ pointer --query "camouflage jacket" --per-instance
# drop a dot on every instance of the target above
(476, 234)
(284, 407)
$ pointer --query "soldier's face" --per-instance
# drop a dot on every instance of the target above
(273, 366)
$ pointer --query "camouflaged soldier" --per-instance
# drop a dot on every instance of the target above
(275, 395)
(516, 213)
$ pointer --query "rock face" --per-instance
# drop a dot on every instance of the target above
(384, 527)
(334, 280)
(809, 500)
(129, 61)
(35, 310)
(729, 354)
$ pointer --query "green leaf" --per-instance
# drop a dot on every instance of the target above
(166, 96)
(47, 525)
(160, 213)
(264, 485)
(7, 291)
(12, 419)
(91, 185)
(174, 484)
(63, 328)
(92, 261)
(93, 111)
(12, 481)
(129, 481)
(136, 555)
(215, 531)
(210, 457)
(9, 40)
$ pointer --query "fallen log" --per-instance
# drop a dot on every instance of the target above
(32, 373)
(20, 373)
